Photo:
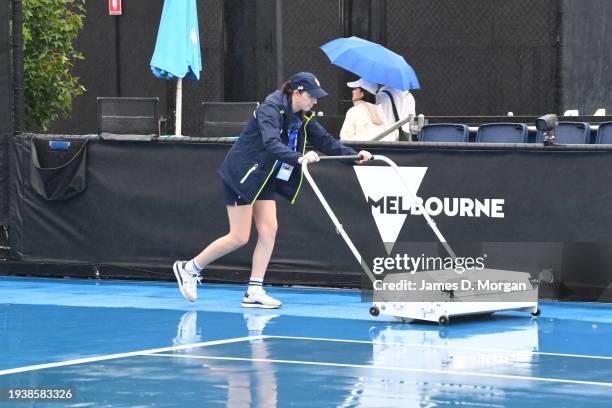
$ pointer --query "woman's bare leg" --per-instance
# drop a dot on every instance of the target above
(240, 229)
(264, 214)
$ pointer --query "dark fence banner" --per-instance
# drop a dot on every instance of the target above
(545, 212)
(5, 109)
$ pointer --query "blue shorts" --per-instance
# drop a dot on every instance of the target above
(231, 198)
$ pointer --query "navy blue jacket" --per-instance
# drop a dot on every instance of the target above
(249, 164)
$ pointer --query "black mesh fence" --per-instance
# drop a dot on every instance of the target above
(473, 57)
(478, 57)
(586, 59)
(307, 24)
(113, 65)
(117, 51)
(210, 85)
(5, 110)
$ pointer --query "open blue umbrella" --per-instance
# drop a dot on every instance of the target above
(371, 61)
(177, 49)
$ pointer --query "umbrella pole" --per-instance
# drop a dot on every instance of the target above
(179, 106)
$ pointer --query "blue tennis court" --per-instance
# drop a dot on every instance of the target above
(136, 344)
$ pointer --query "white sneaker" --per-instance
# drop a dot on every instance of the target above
(258, 298)
(187, 282)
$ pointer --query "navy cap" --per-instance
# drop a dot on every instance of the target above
(305, 81)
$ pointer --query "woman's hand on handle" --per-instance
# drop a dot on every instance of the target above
(310, 156)
(365, 156)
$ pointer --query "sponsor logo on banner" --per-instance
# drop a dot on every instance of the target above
(391, 204)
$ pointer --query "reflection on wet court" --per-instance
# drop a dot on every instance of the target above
(127, 344)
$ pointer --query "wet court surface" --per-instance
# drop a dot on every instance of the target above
(130, 344)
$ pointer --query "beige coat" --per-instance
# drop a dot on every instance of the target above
(363, 121)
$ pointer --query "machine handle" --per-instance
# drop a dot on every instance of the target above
(352, 157)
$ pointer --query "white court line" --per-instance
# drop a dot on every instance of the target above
(541, 353)
(411, 370)
(124, 355)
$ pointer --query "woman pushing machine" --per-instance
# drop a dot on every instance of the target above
(265, 161)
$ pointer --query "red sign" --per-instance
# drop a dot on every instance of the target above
(114, 7)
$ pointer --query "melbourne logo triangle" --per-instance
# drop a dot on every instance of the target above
(387, 197)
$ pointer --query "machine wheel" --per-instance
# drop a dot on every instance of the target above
(536, 312)
(443, 320)
(374, 311)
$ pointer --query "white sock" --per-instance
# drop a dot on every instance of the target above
(193, 267)
(255, 284)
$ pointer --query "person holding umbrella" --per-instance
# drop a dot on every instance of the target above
(363, 123)
(365, 119)
(381, 68)
(265, 160)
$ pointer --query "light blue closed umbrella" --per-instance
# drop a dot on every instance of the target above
(372, 62)
(177, 49)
